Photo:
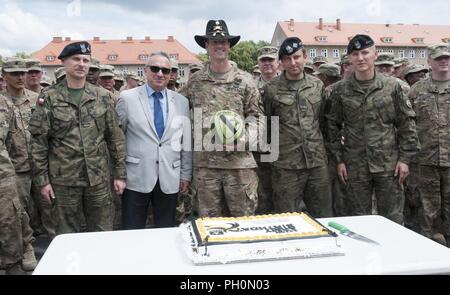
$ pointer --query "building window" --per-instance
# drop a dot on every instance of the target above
(143, 57)
(174, 56)
(418, 40)
(344, 51)
(140, 71)
(312, 53)
(446, 40)
(401, 53)
(336, 53)
(181, 72)
(386, 39)
(321, 38)
(412, 54)
(50, 58)
(422, 54)
(112, 57)
(324, 52)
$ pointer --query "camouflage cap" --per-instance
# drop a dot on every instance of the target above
(331, 70)
(309, 65)
(14, 65)
(46, 81)
(414, 68)
(268, 52)
(95, 64)
(194, 67)
(133, 76)
(345, 60)
(438, 50)
(174, 65)
(33, 65)
(385, 58)
(60, 72)
(256, 70)
(118, 76)
(320, 59)
(401, 61)
(106, 71)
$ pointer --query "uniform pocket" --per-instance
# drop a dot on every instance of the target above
(100, 118)
(63, 122)
(386, 109)
(285, 99)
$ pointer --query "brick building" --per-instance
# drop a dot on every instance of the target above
(331, 39)
(127, 55)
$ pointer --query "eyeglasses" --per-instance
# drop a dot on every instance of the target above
(156, 70)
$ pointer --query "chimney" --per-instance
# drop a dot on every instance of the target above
(291, 25)
(320, 23)
(147, 38)
(57, 39)
(96, 38)
(170, 39)
(129, 38)
(338, 24)
(67, 39)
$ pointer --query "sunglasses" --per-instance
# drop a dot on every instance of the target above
(156, 70)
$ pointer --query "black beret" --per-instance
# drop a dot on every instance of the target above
(359, 42)
(75, 48)
(290, 46)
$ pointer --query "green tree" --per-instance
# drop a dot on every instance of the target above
(23, 55)
(203, 57)
(244, 54)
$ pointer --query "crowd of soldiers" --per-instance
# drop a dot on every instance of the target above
(368, 134)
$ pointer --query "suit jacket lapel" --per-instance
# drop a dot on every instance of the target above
(143, 98)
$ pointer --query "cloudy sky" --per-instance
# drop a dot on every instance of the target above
(28, 25)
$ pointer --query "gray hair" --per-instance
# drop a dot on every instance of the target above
(158, 53)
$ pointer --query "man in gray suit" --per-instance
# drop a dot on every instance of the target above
(157, 128)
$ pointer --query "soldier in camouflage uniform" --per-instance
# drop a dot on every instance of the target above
(309, 67)
(19, 148)
(60, 74)
(377, 122)
(430, 170)
(414, 73)
(328, 74)
(225, 181)
(346, 67)
(400, 66)
(74, 128)
(34, 75)
(94, 71)
(106, 80)
(11, 211)
(385, 65)
(318, 61)
(300, 173)
(268, 65)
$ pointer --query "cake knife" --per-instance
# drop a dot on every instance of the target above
(346, 232)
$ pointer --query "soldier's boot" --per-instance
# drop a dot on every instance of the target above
(29, 261)
(439, 238)
(14, 270)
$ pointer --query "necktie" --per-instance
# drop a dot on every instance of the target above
(159, 118)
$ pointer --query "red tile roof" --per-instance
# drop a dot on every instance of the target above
(401, 34)
(127, 50)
